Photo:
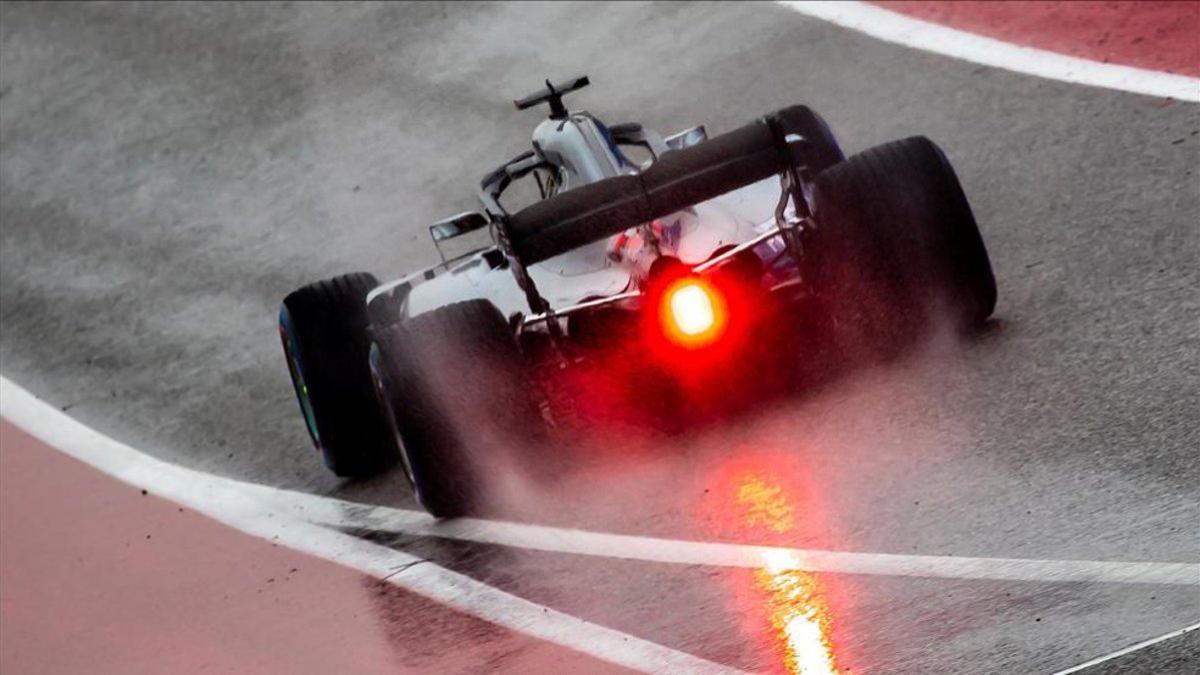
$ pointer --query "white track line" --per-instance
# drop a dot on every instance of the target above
(240, 506)
(346, 514)
(202, 491)
(1131, 648)
(903, 30)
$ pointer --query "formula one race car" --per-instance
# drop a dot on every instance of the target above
(675, 285)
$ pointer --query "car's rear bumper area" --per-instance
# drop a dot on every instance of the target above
(621, 373)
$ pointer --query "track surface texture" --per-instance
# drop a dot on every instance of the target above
(169, 172)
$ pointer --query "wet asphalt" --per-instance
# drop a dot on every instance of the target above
(168, 173)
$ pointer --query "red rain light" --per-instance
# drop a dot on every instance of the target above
(692, 312)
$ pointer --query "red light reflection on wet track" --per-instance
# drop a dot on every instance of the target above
(764, 500)
(794, 602)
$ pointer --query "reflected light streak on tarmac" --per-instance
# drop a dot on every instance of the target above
(795, 606)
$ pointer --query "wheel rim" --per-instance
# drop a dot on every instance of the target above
(298, 384)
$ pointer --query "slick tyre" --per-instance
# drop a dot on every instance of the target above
(896, 248)
(323, 327)
(461, 403)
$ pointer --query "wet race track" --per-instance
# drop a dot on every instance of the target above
(169, 173)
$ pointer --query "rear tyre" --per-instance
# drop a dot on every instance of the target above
(896, 247)
(458, 393)
(323, 327)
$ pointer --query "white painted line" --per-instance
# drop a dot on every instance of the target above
(909, 32)
(241, 506)
(345, 514)
(1130, 648)
(476, 598)
(200, 489)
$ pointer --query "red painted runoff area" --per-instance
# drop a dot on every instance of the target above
(96, 577)
(1162, 36)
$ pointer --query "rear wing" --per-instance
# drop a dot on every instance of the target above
(768, 146)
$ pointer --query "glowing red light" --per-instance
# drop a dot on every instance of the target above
(692, 312)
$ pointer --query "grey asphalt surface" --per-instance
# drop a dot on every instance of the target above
(169, 172)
